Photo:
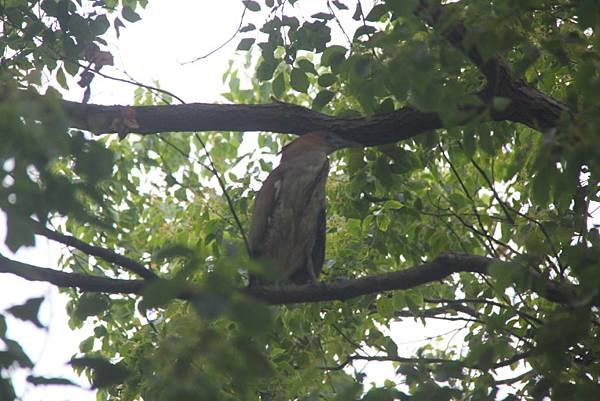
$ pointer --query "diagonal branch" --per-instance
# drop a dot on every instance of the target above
(528, 105)
(71, 280)
(106, 254)
(340, 290)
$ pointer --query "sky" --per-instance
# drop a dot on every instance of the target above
(170, 33)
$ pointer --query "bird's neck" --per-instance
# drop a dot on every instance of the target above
(304, 150)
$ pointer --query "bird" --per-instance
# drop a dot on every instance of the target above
(287, 228)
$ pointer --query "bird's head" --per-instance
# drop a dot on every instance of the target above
(330, 140)
(322, 141)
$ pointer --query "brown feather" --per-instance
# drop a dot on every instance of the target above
(288, 222)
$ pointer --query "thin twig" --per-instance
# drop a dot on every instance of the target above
(222, 45)
(349, 340)
(215, 172)
(493, 189)
(132, 81)
(337, 20)
(471, 199)
(420, 360)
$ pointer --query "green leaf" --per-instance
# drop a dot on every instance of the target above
(363, 67)
(385, 307)
(299, 80)
(265, 70)
(100, 25)
(402, 7)
(248, 28)
(130, 15)
(14, 354)
(2, 326)
(391, 348)
(393, 204)
(71, 68)
(95, 161)
(486, 142)
(348, 390)
(339, 5)
(469, 143)
(278, 85)
(255, 317)
(159, 292)
(306, 66)
(376, 13)
(18, 232)
(251, 5)
(45, 381)
(28, 311)
(503, 274)
(87, 345)
(104, 373)
(61, 78)
(246, 44)
(6, 390)
(323, 16)
(333, 57)
(91, 304)
(322, 98)
(364, 30)
(541, 187)
(326, 80)
(386, 106)
(357, 16)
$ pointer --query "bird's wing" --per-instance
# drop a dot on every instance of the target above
(318, 251)
(307, 252)
(264, 205)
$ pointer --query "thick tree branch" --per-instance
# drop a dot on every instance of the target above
(438, 269)
(275, 117)
(528, 105)
(340, 290)
(279, 117)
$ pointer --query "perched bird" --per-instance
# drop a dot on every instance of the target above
(288, 222)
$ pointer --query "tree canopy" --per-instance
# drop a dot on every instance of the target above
(471, 200)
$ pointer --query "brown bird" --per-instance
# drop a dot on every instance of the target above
(288, 222)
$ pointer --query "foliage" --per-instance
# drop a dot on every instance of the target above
(493, 188)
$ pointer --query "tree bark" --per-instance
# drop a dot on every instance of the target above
(340, 290)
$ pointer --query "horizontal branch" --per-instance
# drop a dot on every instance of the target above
(339, 290)
(421, 360)
(527, 105)
(276, 117)
(436, 270)
(279, 117)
